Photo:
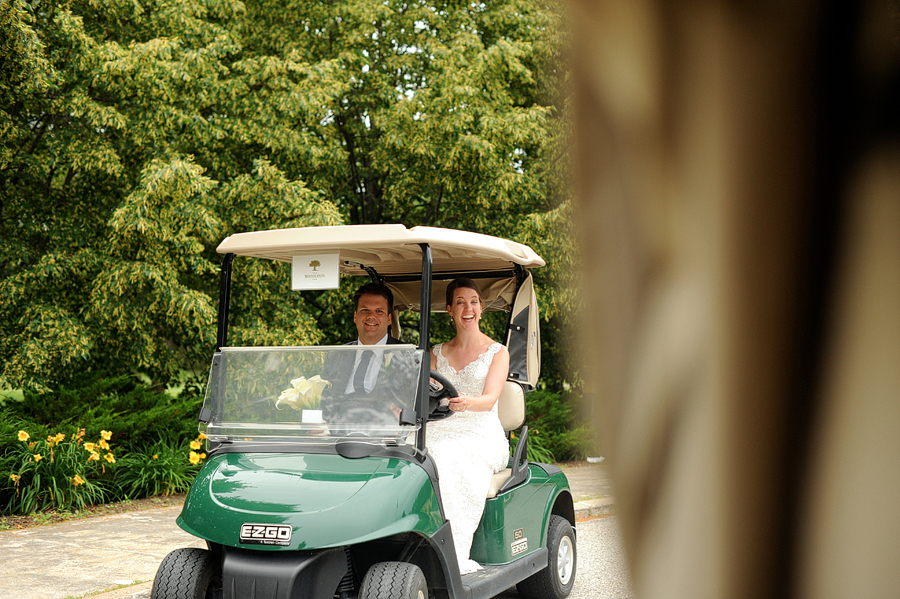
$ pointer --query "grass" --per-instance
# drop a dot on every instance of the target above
(115, 588)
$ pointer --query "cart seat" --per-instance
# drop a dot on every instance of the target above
(511, 410)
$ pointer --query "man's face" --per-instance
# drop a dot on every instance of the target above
(371, 318)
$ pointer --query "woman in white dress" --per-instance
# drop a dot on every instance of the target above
(470, 445)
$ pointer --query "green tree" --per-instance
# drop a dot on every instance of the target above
(433, 113)
(135, 136)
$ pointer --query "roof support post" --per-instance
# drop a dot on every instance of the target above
(224, 302)
(424, 324)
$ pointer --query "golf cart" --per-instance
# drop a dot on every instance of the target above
(308, 494)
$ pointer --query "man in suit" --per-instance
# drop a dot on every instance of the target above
(354, 375)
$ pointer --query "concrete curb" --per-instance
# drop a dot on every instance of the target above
(138, 591)
(605, 506)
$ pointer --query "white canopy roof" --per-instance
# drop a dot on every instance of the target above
(389, 249)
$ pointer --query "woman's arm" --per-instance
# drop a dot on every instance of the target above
(493, 385)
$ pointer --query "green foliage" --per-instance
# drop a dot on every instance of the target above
(137, 415)
(12, 421)
(60, 472)
(133, 137)
(553, 427)
(162, 468)
(536, 450)
(107, 208)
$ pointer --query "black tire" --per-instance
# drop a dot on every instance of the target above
(187, 573)
(394, 580)
(557, 579)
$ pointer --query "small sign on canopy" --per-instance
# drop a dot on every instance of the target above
(315, 271)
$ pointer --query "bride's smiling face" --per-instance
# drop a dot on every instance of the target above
(465, 309)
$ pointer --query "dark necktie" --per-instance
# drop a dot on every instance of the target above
(359, 377)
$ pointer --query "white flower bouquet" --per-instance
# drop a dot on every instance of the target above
(304, 393)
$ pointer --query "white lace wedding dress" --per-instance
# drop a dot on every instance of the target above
(468, 448)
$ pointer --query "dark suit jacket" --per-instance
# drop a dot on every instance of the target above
(338, 370)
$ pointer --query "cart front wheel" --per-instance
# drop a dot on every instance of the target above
(394, 580)
(557, 579)
(187, 573)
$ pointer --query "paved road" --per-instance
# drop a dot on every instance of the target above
(73, 559)
(601, 571)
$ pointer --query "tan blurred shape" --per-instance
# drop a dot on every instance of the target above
(739, 204)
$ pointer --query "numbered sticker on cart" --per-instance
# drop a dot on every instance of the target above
(266, 534)
(520, 543)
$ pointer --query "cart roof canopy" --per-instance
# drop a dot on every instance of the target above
(389, 249)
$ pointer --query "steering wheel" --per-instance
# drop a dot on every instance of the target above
(436, 411)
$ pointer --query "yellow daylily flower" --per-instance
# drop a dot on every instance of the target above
(38, 457)
(107, 435)
(110, 458)
(77, 480)
(155, 456)
(201, 437)
(89, 446)
(15, 478)
(23, 436)
(103, 444)
(195, 444)
(59, 438)
(93, 457)
(194, 458)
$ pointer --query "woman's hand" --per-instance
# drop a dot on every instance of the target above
(459, 404)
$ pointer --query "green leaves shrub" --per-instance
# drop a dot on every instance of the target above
(554, 428)
(138, 415)
(162, 468)
(536, 450)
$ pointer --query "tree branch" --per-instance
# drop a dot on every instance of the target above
(436, 206)
(49, 184)
(357, 213)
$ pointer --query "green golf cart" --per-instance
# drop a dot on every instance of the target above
(308, 494)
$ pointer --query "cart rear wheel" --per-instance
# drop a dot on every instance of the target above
(394, 580)
(187, 573)
(557, 579)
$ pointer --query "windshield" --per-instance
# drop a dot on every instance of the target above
(313, 394)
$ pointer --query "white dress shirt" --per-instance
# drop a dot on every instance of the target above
(373, 368)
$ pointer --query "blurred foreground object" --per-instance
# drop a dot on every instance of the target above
(739, 184)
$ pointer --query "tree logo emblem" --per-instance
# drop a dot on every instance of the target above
(315, 264)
